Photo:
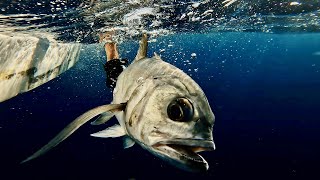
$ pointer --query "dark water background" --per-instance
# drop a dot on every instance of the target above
(263, 88)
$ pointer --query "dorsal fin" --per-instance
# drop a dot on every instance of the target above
(143, 48)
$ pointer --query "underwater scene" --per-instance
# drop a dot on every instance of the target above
(256, 115)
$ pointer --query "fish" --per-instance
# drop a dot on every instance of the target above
(158, 107)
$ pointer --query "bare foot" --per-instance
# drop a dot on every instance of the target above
(106, 37)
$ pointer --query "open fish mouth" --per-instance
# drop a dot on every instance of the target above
(183, 153)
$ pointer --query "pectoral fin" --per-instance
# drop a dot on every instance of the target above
(113, 131)
(104, 117)
(73, 126)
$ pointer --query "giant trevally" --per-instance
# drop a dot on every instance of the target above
(160, 108)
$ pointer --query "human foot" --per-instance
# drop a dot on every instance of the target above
(106, 37)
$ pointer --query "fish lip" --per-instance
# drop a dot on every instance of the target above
(207, 144)
(183, 153)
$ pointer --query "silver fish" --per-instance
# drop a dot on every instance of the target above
(160, 108)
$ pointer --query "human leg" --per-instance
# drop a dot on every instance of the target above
(114, 65)
(111, 51)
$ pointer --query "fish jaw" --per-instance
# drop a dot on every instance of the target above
(183, 153)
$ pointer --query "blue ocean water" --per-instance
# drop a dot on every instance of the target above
(263, 89)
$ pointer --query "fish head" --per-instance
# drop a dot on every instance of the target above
(174, 121)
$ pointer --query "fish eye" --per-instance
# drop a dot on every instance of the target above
(180, 110)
